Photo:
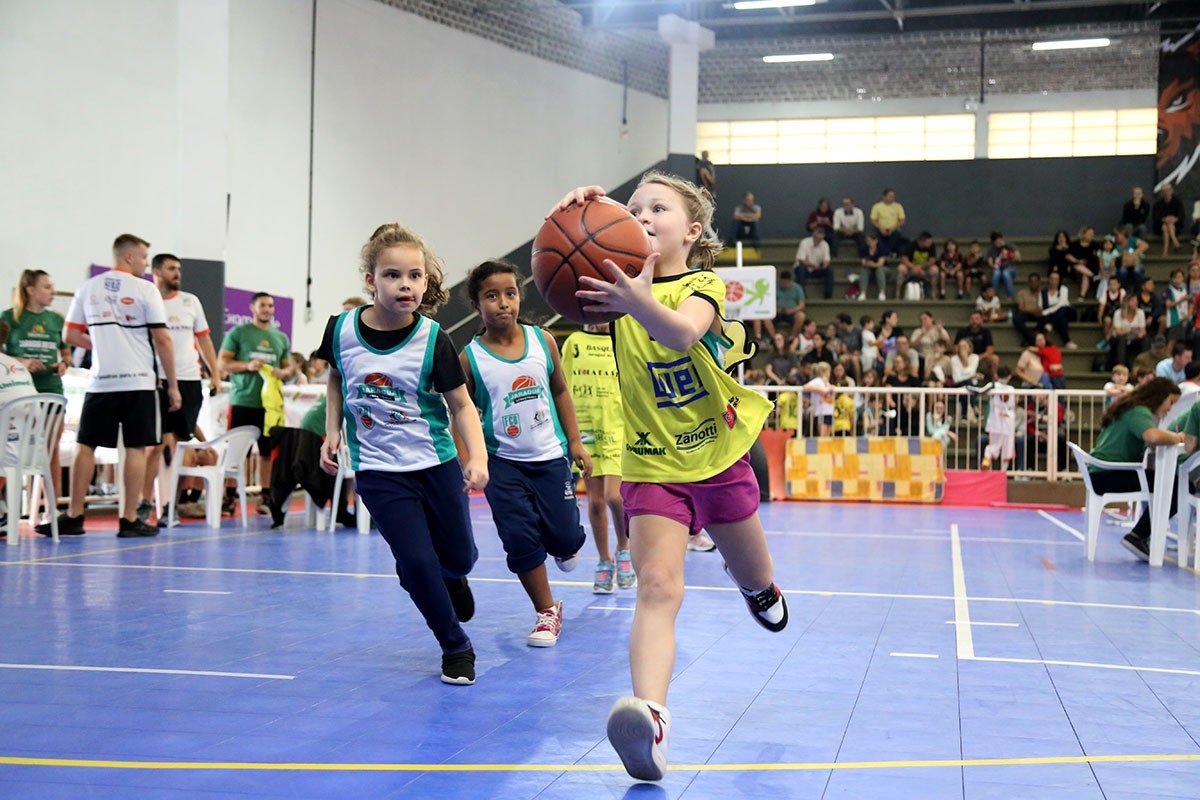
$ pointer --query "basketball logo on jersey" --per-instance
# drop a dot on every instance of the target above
(367, 420)
(376, 384)
(676, 383)
(38, 328)
(512, 425)
(525, 387)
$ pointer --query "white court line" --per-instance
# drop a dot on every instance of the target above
(962, 611)
(1123, 667)
(986, 624)
(813, 592)
(1061, 524)
(149, 671)
(904, 537)
(610, 608)
(915, 655)
(191, 591)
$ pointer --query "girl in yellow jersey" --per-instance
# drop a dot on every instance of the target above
(688, 431)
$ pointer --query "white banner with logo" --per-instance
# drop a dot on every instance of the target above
(749, 292)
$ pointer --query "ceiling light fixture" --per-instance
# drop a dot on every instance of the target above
(750, 5)
(798, 58)
(1071, 44)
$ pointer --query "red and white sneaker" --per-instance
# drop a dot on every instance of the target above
(768, 607)
(638, 730)
(548, 626)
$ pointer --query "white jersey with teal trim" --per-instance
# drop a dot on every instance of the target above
(395, 421)
(519, 419)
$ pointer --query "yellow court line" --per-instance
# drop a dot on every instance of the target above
(130, 548)
(962, 610)
(801, 766)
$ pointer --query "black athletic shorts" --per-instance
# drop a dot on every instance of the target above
(136, 412)
(246, 415)
(182, 423)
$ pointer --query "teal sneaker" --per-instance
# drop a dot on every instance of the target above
(603, 582)
(625, 577)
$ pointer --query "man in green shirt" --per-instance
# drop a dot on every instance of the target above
(789, 308)
(245, 350)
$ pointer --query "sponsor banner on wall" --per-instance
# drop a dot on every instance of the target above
(1178, 160)
(749, 292)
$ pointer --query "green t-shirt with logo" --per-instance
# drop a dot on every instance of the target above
(314, 419)
(37, 336)
(1122, 440)
(248, 342)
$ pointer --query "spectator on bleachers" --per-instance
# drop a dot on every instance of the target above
(927, 333)
(1029, 369)
(1081, 255)
(1028, 308)
(1109, 260)
(1152, 303)
(975, 267)
(1052, 363)
(908, 355)
(1168, 214)
(988, 304)
(950, 265)
(1118, 385)
(848, 223)
(1056, 310)
(1135, 214)
(1172, 366)
(873, 258)
(1127, 338)
(888, 218)
(889, 329)
(783, 367)
(906, 421)
(939, 363)
(1131, 261)
(299, 376)
(870, 349)
(812, 261)
(849, 343)
(1178, 304)
(1148, 359)
(918, 263)
(1111, 300)
(317, 370)
(1057, 257)
(822, 217)
(706, 174)
(1189, 392)
(351, 303)
(964, 367)
(1193, 280)
(746, 217)
(981, 338)
(802, 340)
(1002, 260)
(820, 352)
(789, 307)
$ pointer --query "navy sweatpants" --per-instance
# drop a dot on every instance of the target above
(535, 511)
(424, 517)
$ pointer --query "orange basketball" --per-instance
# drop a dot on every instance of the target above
(575, 242)
(523, 382)
(378, 379)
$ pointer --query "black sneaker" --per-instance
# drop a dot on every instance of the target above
(1138, 545)
(143, 510)
(768, 607)
(67, 526)
(459, 668)
(461, 597)
(137, 528)
(164, 518)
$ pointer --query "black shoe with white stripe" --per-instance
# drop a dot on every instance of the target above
(768, 607)
(458, 669)
(1138, 545)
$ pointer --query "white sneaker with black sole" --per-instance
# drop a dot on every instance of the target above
(701, 543)
(639, 731)
(768, 607)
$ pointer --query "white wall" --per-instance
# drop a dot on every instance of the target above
(88, 138)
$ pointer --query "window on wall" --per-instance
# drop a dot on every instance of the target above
(1065, 134)
(941, 137)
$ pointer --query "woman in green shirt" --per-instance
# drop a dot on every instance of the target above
(1128, 427)
(36, 341)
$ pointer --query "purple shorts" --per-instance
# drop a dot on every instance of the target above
(730, 496)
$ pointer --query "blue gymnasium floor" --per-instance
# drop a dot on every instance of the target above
(873, 691)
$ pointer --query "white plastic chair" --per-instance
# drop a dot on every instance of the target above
(362, 517)
(1097, 502)
(1189, 512)
(233, 447)
(28, 429)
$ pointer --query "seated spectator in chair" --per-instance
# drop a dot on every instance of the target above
(989, 305)
(1002, 260)
(1178, 304)
(888, 218)
(812, 261)
(783, 367)
(1057, 314)
(848, 223)
(1028, 308)
(1135, 214)
(1029, 370)
(1173, 366)
(982, 343)
(1168, 216)
(1152, 303)
(950, 265)
(1128, 336)
(1148, 360)
(1131, 259)
(873, 259)
(822, 217)
(919, 263)
(298, 462)
(746, 217)
(1111, 300)
(975, 267)
(1052, 362)
(1084, 261)
(789, 307)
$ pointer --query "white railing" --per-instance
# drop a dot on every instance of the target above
(1044, 421)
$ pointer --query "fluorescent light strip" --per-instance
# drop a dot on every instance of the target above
(1071, 44)
(798, 58)
(751, 5)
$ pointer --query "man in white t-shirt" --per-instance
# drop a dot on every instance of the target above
(812, 261)
(120, 318)
(849, 223)
(190, 337)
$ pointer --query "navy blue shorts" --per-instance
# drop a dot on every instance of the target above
(535, 510)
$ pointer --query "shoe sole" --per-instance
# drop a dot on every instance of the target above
(541, 642)
(602, 589)
(462, 681)
(1143, 556)
(702, 549)
(632, 584)
(774, 627)
(631, 734)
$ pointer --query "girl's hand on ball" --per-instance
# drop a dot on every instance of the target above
(578, 195)
(625, 294)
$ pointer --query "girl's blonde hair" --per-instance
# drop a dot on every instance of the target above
(704, 251)
(1121, 369)
(393, 234)
(821, 369)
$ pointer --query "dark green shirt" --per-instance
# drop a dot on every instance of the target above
(314, 419)
(1122, 440)
(248, 342)
(37, 336)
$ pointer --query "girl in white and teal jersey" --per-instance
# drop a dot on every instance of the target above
(516, 378)
(393, 372)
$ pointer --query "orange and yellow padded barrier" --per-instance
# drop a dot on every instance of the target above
(894, 469)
